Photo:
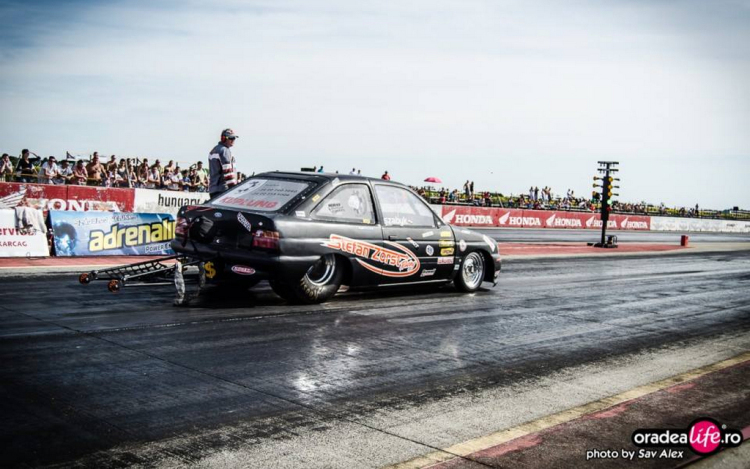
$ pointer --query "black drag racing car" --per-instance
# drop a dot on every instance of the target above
(311, 233)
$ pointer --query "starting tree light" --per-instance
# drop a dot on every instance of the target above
(607, 168)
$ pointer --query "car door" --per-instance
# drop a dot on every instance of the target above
(347, 217)
(415, 235)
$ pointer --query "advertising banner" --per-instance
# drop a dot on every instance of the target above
(519, 218)
(156, 201)
(699, 225)
(111, 234)
(477, 216)
(75, 198)
(16, 243)
(39, 196)
(109, 199)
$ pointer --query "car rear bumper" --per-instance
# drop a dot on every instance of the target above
(267, 265)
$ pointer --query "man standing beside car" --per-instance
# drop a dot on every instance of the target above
(221, 164)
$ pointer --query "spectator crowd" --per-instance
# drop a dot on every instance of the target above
(139, 173)
(545, 199)
(125, 172)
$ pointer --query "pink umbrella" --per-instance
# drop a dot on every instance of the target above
(433, 179)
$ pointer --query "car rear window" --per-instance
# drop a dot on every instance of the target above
(261, 195)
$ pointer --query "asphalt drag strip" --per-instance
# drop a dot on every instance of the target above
(94, 379)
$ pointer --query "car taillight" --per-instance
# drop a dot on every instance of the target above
(266, 239)
(181, 227)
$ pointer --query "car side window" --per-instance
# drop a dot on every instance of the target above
(350, 203)
(403, 208)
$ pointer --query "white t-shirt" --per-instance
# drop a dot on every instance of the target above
(47, 172)
(63, 173)
(174, 182)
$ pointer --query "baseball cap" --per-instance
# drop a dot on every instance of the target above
(229, 133)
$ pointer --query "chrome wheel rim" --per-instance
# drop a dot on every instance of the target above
(322, 271)
(472, 270)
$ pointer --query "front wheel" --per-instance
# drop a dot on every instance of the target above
(471, 274)
(321, 281)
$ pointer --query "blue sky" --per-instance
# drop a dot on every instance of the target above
(506, 93)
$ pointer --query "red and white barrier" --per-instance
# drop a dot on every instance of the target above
(108, 199)
(521, 218)
(699, 225)
(75, 198)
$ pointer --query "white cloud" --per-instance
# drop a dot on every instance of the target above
(508, 94)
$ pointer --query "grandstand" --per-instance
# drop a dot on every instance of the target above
(498, 199)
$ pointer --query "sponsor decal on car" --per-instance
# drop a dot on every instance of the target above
(427, 273)
(462, 245)
(446, 243)
(445, 260)
(300, 213)
(396, 221)
(316, 197)
(429, 250)
(398, 257)
(218, 214)
(243, 270)
(244, 222)
(413, 243)
(445, 234)
(210, 269)
(427, 234)
(447, 251)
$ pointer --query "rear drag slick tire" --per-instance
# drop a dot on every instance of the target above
(321, 281)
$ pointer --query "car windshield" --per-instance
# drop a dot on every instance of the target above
(261, 194)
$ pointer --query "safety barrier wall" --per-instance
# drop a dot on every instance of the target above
(520, 218)
(75, 198)
(699, 225)
(85, 198)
